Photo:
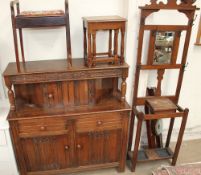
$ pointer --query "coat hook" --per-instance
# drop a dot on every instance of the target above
(195, 19)
(185, 66)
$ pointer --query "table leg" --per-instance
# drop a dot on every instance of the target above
(116, 46)
(89, 61)
(94, 49)
(122, 44)
(110, 44)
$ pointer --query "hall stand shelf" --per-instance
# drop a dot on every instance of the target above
(162, 55)
(65, 119)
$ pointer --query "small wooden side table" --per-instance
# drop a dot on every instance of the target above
(108, 23)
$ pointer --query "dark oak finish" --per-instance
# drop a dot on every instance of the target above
(41, 19)
(112, 24)
(67, 119)
(156, 105)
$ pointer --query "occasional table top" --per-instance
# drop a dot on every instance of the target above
(104, 19)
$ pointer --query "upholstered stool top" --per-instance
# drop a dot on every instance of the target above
(42, 13)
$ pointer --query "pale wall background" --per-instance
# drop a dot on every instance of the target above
(50, 44)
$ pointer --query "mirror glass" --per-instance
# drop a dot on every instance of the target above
(163, 47)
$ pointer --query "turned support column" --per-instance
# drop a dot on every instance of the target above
(124, 85)
(159, 78)
(123, 89)
(11, 96)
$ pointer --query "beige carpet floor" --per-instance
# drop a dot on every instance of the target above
(190, 152)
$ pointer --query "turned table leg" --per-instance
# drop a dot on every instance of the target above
(89, 61)
(85, 43)
(122, 44)
(110, 44)
(116, 46)
(94, 49)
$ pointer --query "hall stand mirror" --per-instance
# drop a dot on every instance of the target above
(162, 56)
(163, 47)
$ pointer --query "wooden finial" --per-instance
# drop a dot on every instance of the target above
(153, 1)
(188, 1)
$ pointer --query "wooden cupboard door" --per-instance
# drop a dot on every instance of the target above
(47, 153)
(83, 149)
(98, 147)
(113, 145)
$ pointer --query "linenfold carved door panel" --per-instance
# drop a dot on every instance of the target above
(98, 147)
(47, 152)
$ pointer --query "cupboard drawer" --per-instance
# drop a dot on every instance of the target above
(43, 125)
(96, 122)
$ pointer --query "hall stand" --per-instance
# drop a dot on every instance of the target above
(162, 56)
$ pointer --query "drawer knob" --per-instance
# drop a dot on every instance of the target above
(99, 123)
(79, 146)
(50, 96)
(66, 147)
(42, 128)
